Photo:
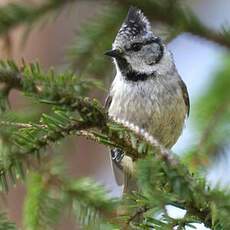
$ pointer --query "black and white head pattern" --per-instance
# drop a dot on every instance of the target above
(141, 53)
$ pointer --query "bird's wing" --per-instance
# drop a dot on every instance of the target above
(185, 95)
(117, 169)
(108, 102)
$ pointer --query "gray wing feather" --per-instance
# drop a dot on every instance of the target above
(108, 102)
(185, 95)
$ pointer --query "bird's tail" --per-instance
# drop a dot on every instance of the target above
(130, 183)
(124, 170)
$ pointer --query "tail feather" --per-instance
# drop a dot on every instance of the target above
(123, 169)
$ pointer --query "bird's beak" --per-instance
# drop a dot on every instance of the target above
(115, 53)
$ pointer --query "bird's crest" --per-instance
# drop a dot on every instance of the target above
(135, 25)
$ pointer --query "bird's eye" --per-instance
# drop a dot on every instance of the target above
(136, 47)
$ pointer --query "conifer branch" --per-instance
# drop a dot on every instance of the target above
(20, 125)
(30, 79)
(33, 140)
(76, 115)
(50, 191)
(34, 144)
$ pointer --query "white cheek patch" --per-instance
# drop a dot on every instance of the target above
(162, 67)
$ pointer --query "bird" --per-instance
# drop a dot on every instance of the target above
(147, 90)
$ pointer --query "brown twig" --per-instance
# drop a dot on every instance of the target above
(21, 125)
(139, 212)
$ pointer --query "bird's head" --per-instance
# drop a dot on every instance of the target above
(136, 48)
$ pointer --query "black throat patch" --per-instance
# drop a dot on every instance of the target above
(130, 74)
(135, 76)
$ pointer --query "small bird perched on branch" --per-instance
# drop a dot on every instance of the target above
(147, 90)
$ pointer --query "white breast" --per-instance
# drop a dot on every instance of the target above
(155, 105)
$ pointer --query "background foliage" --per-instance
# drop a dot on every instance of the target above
(60, 109)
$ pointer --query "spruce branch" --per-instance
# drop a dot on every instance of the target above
(76, 115)
(20, 125)
(33, 140)
(50, 191)
(30, 79)
(177, 174)
(88, 194)
(41, 208)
